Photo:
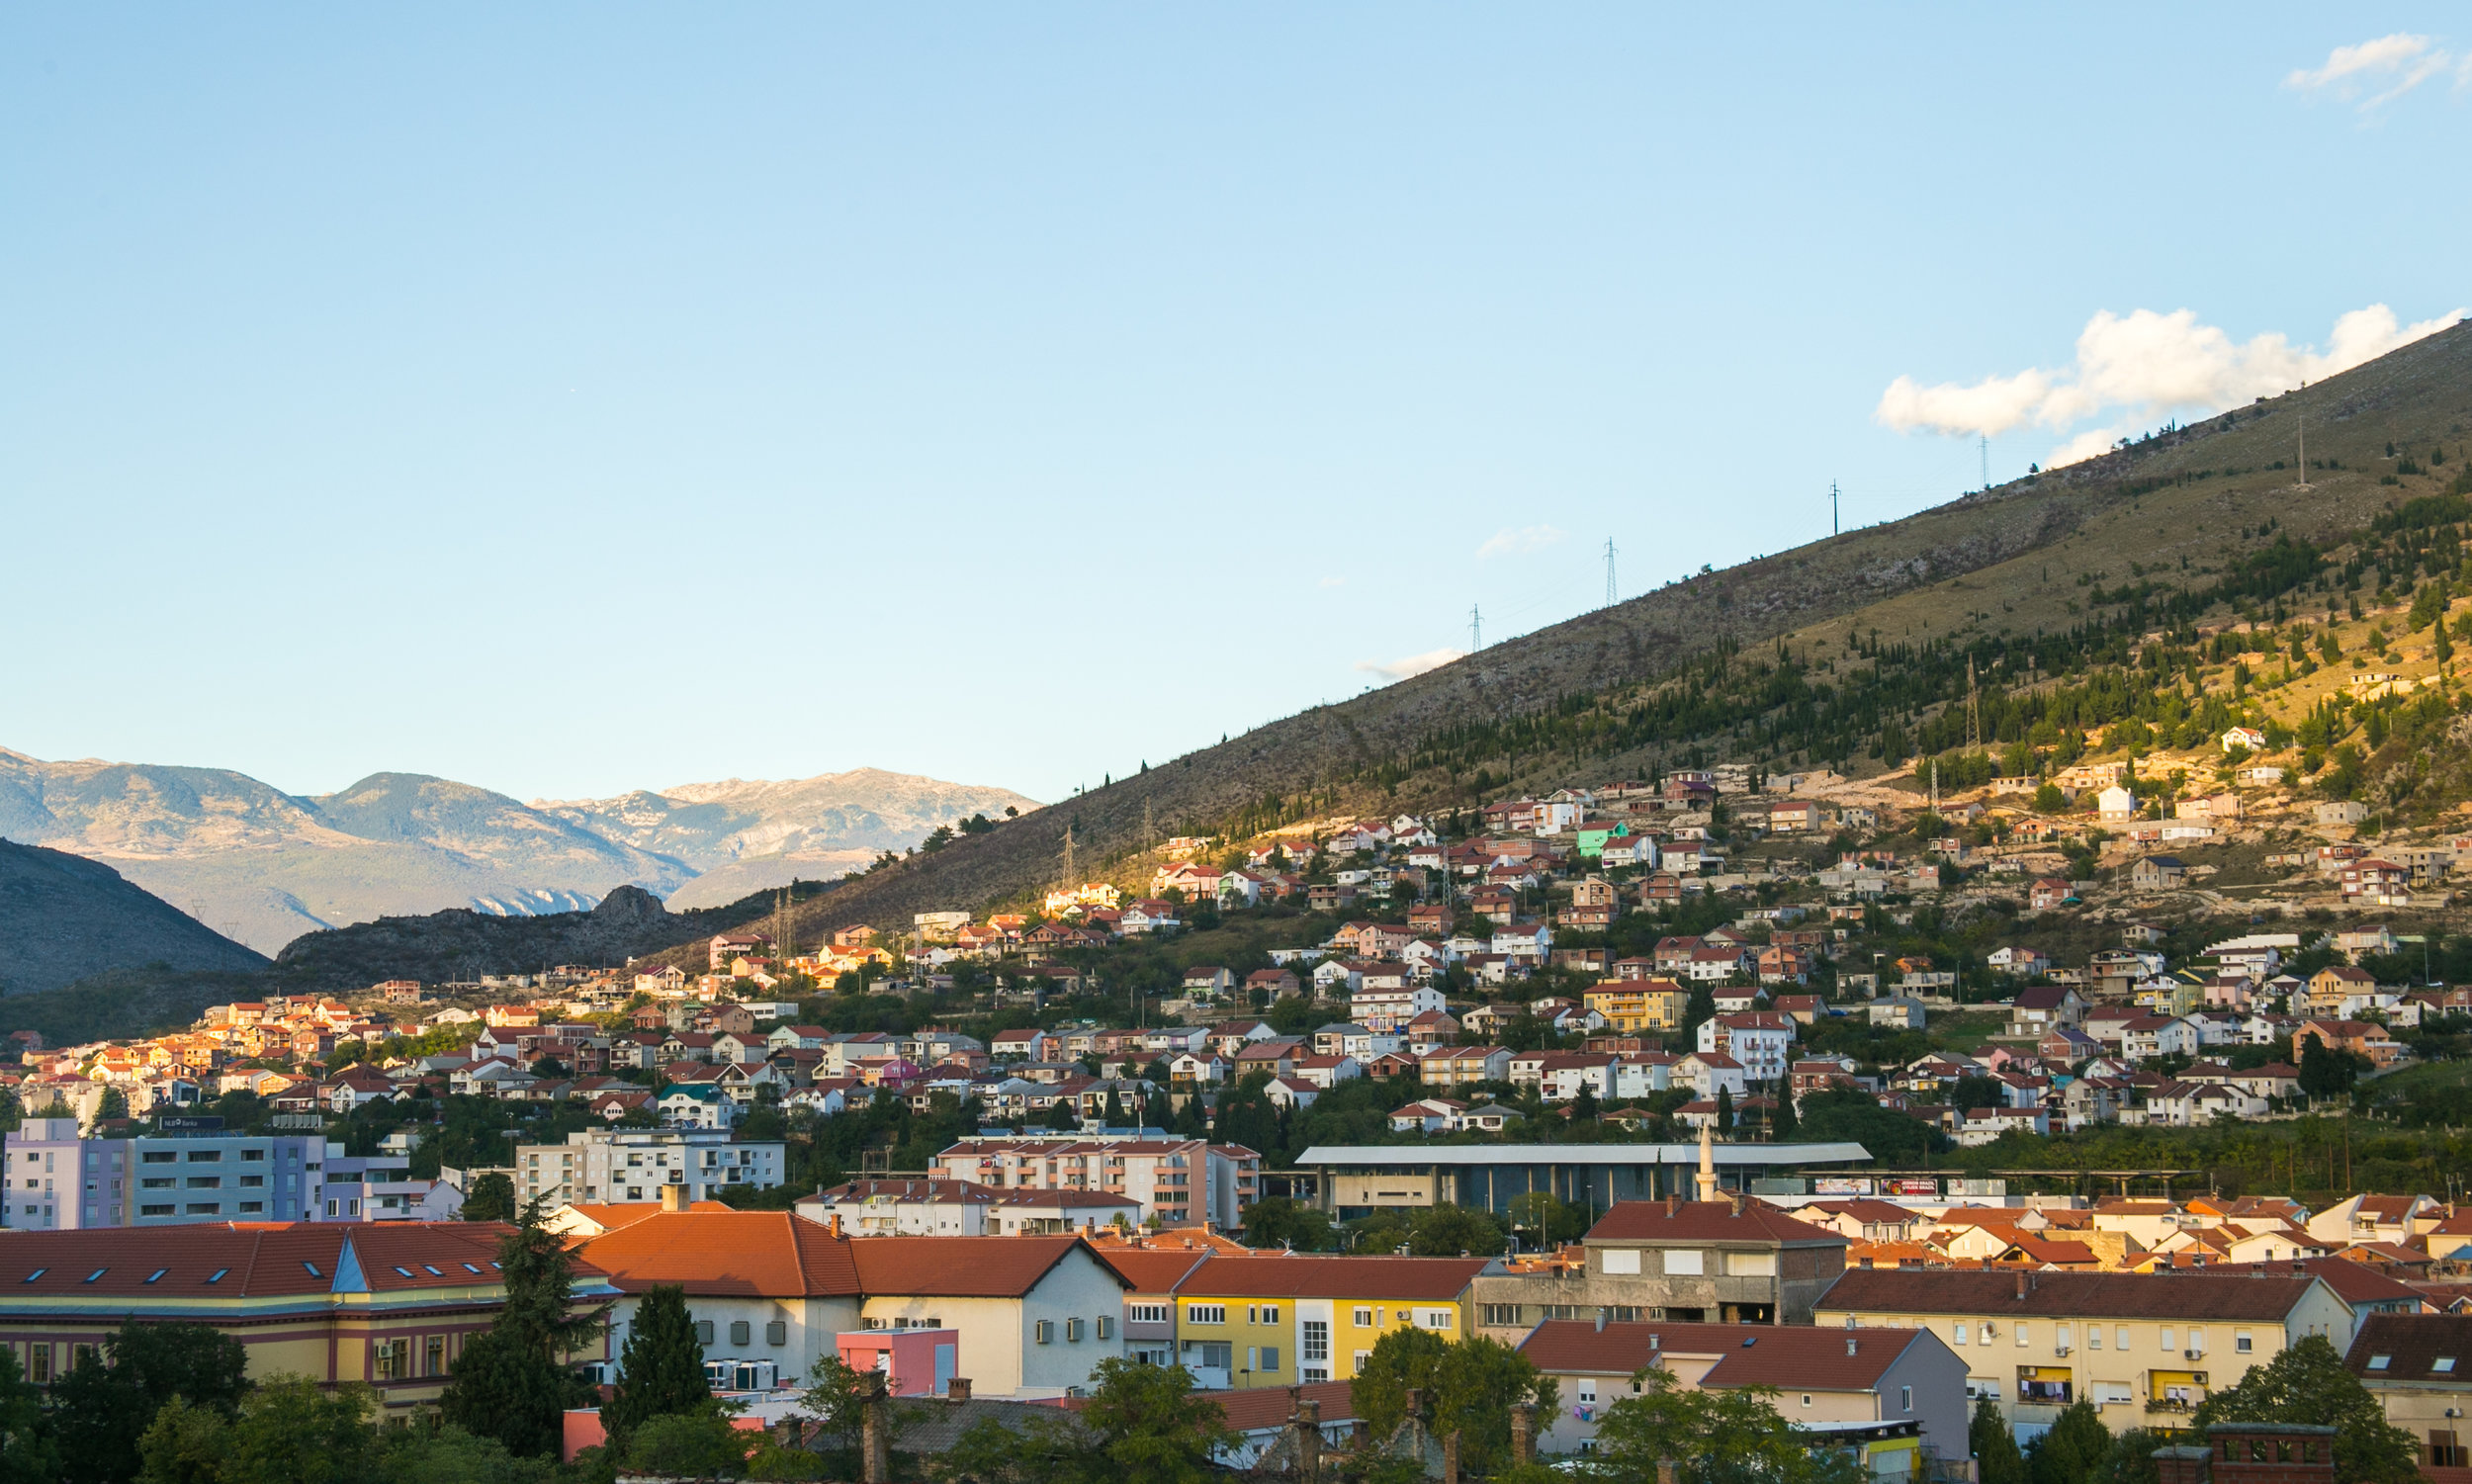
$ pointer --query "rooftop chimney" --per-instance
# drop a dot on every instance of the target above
(957, 1389)
(1737, 1197)
(2021, 1283)
(833, 1226)
(673, 1198)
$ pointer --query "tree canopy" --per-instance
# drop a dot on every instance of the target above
(1472, 1385)
(2310, 1384)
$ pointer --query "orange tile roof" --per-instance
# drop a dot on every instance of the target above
(1149, 1269)
(1301, 1275)
(1706, 1221)
(750, 1253)
(963, 1266)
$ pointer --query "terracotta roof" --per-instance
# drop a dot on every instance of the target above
(2351, 1282)
(960, 1266)
(757, 1253)
(1271, 1406)
(1706, 1221)
(2412, 1344)
(1748, 1355)
(253, 1260)
(2094, 1296)
(1150, 1270)
(1307, 1277)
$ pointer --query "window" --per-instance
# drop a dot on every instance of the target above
(390, 1360)
(150, 1157)
(1751, 1264)
(1073, 1332)
(2094, 1337)
(1205, 1313)
(1217, 1355)
(2380, 1362)
(2445, 1452)
(1358, 1365)
(2444, 1366)
(1685, 1262)
(777, 1333)
(741, 1332)
(2120, 1337)
(1269, 1357)
(1434, 1319)
(1046, 1331)
(2165, 1332)
(1905, 1398)
(1957, 1332)
(2197, 1338)
(1107, 1327)
(1145, 1314)
(39, 1362)
(703, 1332)
(1316, 1342)
(433, 1356)
(1364, 1317)
(1498, 1316)
(2025, 1332)
(1270, 1314)
(1617, 1260)
(2241, 1342)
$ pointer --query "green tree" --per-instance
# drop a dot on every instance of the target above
(102, 1408)
(1724, 1109)
(1472, 1385)
(1547, 1218)
(2324, 1071)
(513, 1380)
(1729, 1435)
(661, 1368)
(184, 1445)
(293, 1431)
(492, 1198)
(450, 1455)
(1150, 1425)
(1783, 1122)
(1852, 1115)
(837, 1403)
(689, 1445)
(2073, 1451)
(2310, 1384)
(28, 1453)
(1276, 1220)
(1994, 1445)
(1449, 1231)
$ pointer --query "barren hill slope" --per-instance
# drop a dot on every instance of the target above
(2188, 507)
(64, 917)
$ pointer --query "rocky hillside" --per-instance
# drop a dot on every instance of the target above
(460, 944)
(63, 919)
(2191, 510)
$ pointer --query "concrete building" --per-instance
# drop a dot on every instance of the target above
(1177, 1180)
(2418, 1366)
(965, 1208)
(619, 1166)
(2145, 1349)
(1349, 1180)
(59, 1182)
(1904, 1387)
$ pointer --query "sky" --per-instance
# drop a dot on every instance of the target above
(576, 398)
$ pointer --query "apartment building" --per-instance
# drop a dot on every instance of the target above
(1176, 1180)
(619, 1166)
(1245, 1322)
(1727, 1262)
(58, 1180)
(1386, 1007)
(2145, 1348)
(1639, 1006)
(2415, 1365)
(962, 1209)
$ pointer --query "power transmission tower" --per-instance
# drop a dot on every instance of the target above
(1609, 572)
(1986, 458)
(1067, 882)
(1475, 630)
(1832, 507)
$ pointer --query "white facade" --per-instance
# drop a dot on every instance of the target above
(619, 1166)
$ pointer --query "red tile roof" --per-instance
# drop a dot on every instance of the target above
(1272, 1406)
(255, 1259)
(2092, 1295)
(1440, 1279)
(962, 1267)
(1706, 1221)
(1748, 1355)
(750, 1253)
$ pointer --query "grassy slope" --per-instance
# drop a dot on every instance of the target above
(2007, 560)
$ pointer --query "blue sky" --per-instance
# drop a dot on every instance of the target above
(572, 399)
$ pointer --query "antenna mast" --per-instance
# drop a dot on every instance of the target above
(1986, 458)
(1609, 572)
(1832, 507)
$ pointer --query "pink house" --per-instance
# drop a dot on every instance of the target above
(914, 1362)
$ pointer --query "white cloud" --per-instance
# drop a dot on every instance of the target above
(1334, 581)
(1513, 540)
(2145, 365)
(1413, 665)
(2384, 69)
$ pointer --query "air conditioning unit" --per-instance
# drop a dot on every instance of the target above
(2060, 1349)
(2191, 1355)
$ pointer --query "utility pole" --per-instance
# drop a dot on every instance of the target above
(1475, 630)
(1832, 507)
(1609, 572)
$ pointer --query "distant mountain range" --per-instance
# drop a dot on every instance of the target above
(262, 866)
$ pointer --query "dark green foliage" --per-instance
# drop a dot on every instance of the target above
(490, 1198)
(2310, 1384)
(1470, 1387)
(29, 1453)
(660, 1369)
(2075, 1448)
(698, 1445)
(1994, 1446)
(1142, 1424)
(1727, 1435)
(100, 1408)
(1278, 1221)
(513, 1380)
(1849, 1114)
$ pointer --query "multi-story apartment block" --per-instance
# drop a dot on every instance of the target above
(620, 1166)
(1176, 1180)
(1633, 1005)
(1250, 1322)
(1386, 1008)
(2145, 1349)
(61, 1182)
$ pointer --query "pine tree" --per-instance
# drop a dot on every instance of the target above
(513, 1380)
(1724, 1109)
(661, 1368)
(1781, 1123)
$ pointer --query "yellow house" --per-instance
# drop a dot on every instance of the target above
(1295, 1319)
(1636, 1005)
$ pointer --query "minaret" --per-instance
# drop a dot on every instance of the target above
(1708, 1161)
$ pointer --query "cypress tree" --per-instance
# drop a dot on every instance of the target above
(661, 1368)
